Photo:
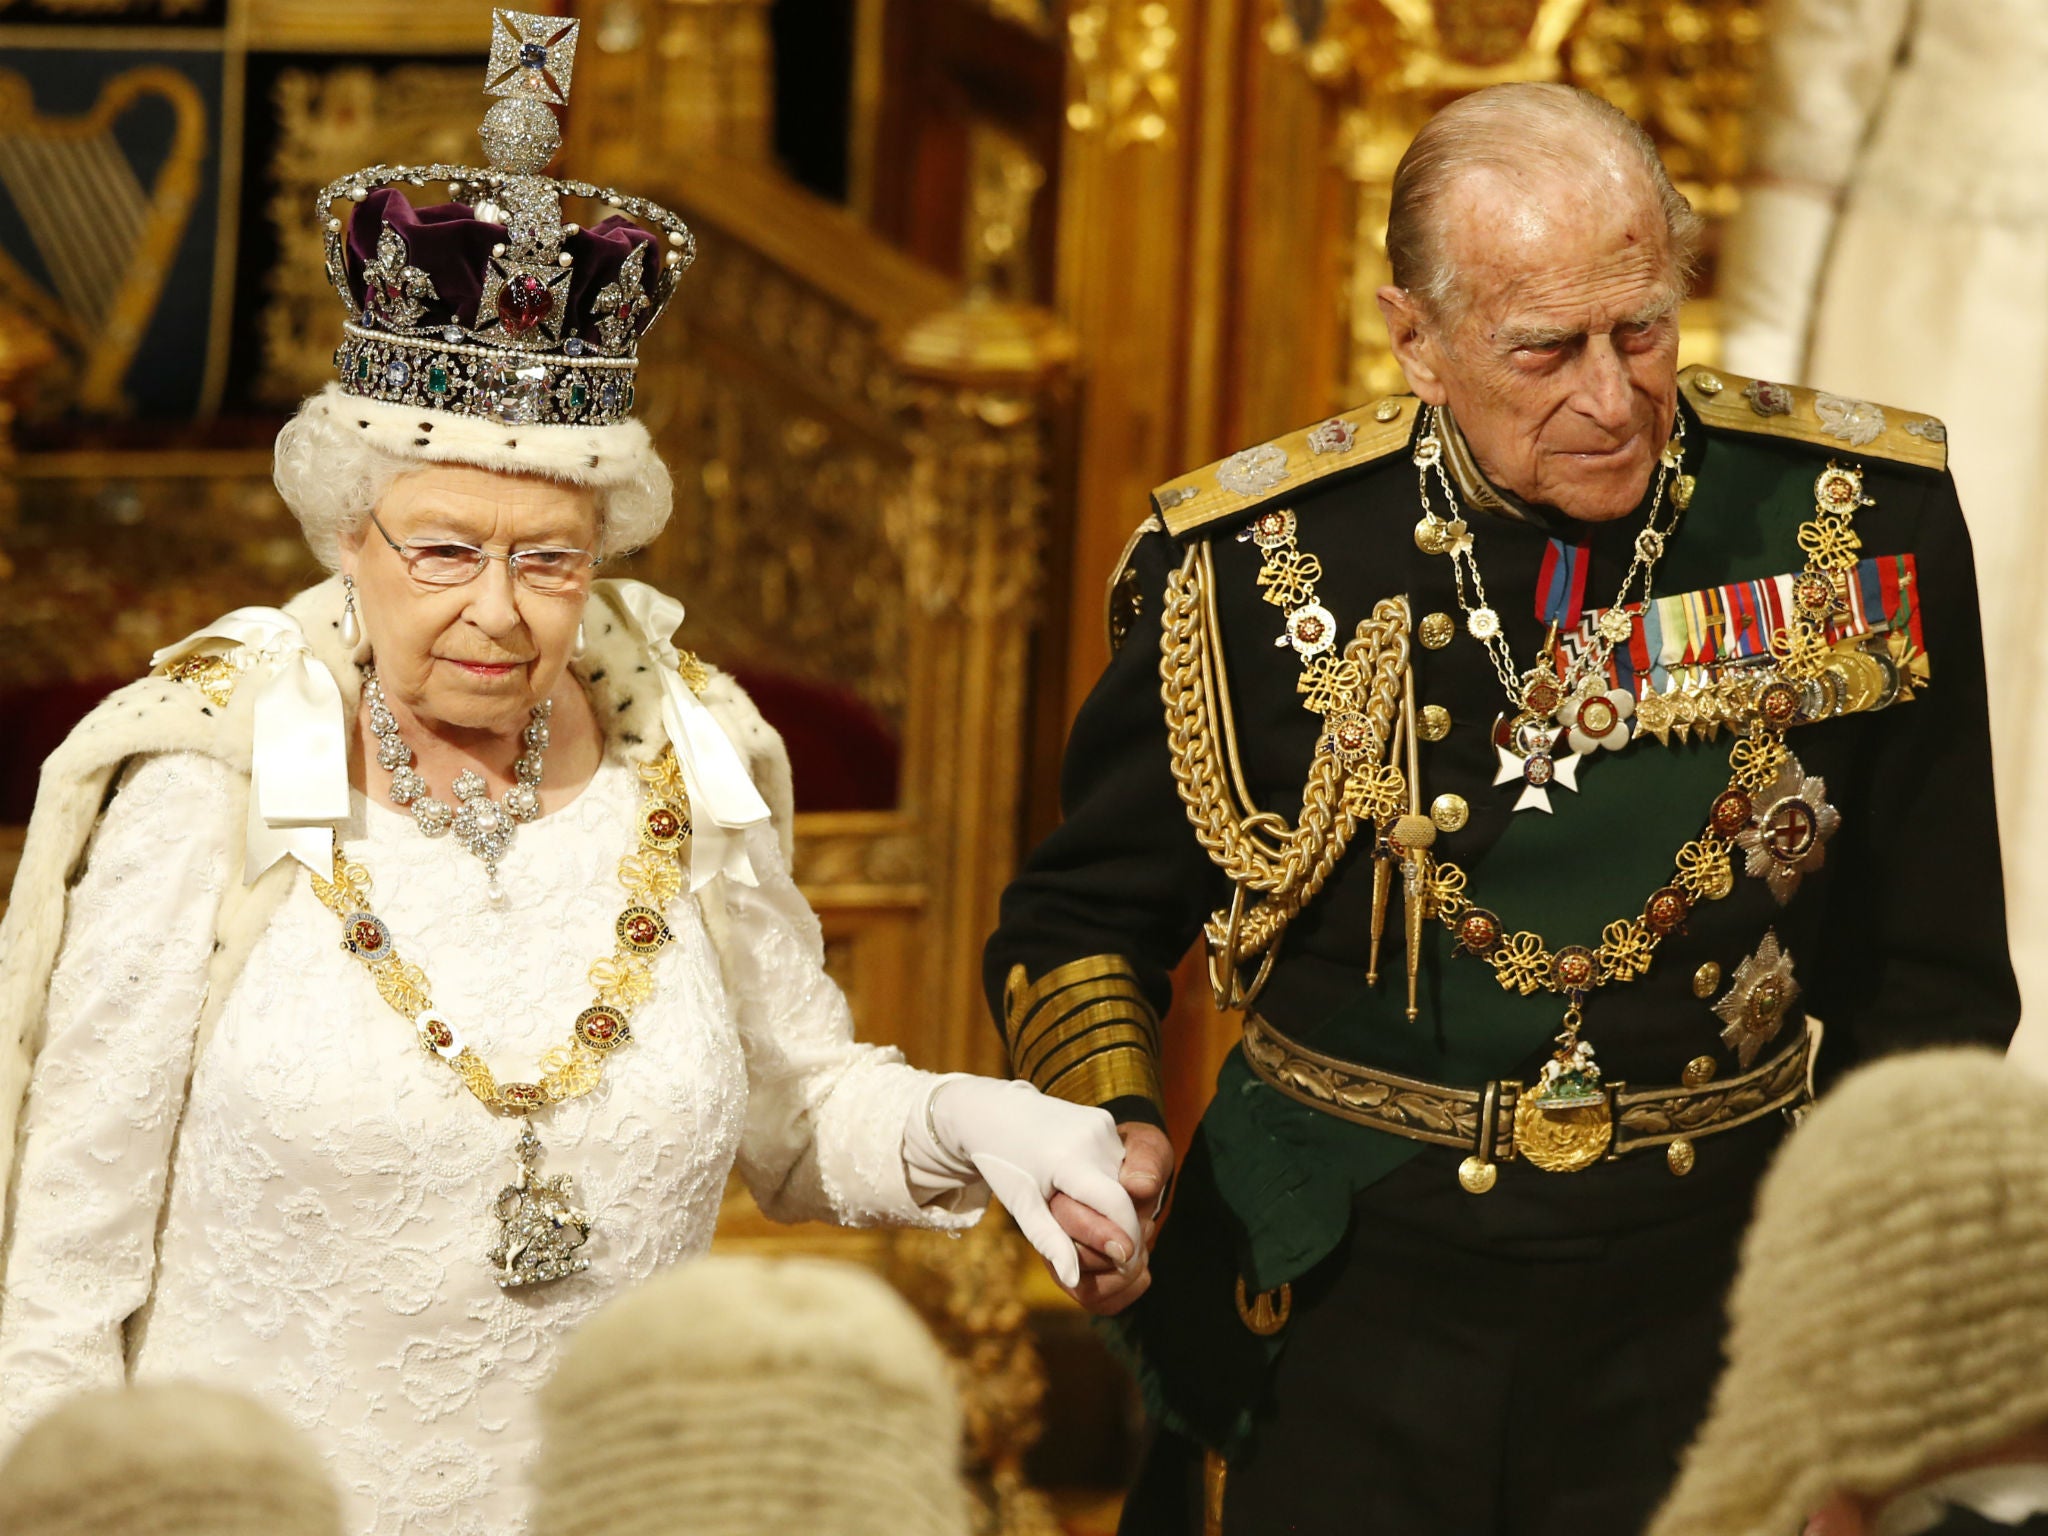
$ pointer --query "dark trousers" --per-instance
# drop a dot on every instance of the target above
(1448, 1374)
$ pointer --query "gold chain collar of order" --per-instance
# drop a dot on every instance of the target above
(1368, 785)
(540, 1226)
(1765, 782)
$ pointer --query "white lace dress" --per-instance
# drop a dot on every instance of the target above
(314, 1230)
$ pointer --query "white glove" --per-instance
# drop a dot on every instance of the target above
(1025, 1146)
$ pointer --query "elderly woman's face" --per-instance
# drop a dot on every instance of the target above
(477, 656)
(1562, 368)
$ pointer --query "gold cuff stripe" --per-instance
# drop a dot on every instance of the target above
(1126, 1037)
(1023, 996)
(1084, 1031)
(1064, 1001)
(1138, 1032)
(1078, 1012)
(1116, 1074)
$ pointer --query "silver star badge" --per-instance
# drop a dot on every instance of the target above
(1787, 837)
(1757, 1000)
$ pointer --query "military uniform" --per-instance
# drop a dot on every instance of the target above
(1372, 1301)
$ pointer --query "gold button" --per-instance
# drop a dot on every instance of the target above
(1680, 1156)
(1430, 536)
(1476, 1177)
(1434, 723)
(1386, 410)
(1449, 812)
(1707, 383)
(1706, 979)
(1436, 630)
(1700, 1069)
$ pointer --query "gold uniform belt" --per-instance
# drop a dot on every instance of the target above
(1499, 1122)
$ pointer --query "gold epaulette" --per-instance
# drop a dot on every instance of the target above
(1083, 1031)
(1834, 422)
(1285, 466)
(1123, 602)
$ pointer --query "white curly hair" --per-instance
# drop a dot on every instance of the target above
(337, 457)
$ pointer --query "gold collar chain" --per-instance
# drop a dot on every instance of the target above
(1771, 811)
(540, 1227)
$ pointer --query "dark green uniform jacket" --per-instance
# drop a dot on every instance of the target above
(1898, 940)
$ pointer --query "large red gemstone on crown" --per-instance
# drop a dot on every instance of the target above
(523, 303)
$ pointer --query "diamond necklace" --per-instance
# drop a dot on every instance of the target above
(1539, 692)
(482, 825)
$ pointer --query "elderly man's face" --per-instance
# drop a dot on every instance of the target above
(1562, 365)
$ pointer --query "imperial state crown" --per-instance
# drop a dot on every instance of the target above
(490, 305)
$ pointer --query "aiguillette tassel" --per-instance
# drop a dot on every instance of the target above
(1415, 909)
(1382, 889)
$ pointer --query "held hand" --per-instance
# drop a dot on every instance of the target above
(1031, 1149)
(1113, 1275)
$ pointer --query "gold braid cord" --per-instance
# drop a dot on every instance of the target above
(1357, 695)
(652, 877)
(1353, 777)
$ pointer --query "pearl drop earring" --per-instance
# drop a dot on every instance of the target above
(351, 626)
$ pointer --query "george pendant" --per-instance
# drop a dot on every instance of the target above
(1565, 1123)
(540, 1227)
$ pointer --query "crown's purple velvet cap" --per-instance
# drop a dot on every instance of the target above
(452, 246)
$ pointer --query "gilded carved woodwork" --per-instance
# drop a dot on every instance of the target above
(1684, 68)
(971, 1292)
(1003, 180)
(686, 75)
(113, 558)
(367, 26)
(350, 115)
(1126, 59)
(1687, 72)
(1034, 15)
(127, 10)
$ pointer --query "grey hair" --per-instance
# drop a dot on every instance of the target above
(1519, 131)
(333, 479)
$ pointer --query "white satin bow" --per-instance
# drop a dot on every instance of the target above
(298, 763)
(723, 800)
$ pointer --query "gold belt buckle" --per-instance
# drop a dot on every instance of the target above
(1567, 1137)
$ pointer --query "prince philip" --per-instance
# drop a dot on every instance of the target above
(1548, 758)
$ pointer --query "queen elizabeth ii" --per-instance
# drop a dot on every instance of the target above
(392, 978)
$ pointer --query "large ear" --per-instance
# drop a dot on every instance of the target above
(1415, 346)
(348, 549)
